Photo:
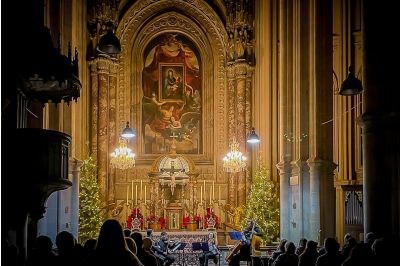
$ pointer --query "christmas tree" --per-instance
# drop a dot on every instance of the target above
(262, 205)
(90, 218)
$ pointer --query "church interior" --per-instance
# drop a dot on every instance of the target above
(195, 116)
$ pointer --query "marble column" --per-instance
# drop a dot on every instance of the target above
(112, 130)
(103, 119)
(320, 139)
(380, 121)
(94, 102)
(241, 70)
(284, 202)
(284, 120)
(231, 128)
(103, 69)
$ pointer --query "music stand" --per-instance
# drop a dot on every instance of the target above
(204, 247)
(235, 235)
(200, 246)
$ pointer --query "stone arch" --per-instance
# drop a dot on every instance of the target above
(199, 23)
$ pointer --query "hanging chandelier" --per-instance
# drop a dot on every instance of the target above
(234, 161)
(123, 157)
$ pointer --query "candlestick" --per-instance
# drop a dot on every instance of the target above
(132, 192)
(136, 195)
(127, 194)
(145, 193)
(141, 189)
(201, 194)
(219, 192)
(213, 189)
(210, 194)
(204, 187)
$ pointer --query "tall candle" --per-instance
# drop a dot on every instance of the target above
(210, 194)
(201, 194)
(141, 189)
(204, 187)
(213, 186)
(219, 192)
(127, 194)
(132, 192)
(136, 195)
(145, 188)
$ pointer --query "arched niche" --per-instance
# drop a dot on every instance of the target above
(197, 22)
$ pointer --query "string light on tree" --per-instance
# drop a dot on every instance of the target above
(262, 205)
(90, 218)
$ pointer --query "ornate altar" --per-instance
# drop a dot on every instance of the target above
(173, 186)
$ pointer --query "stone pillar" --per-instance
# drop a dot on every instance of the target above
(231, 128)
(112, 129)
(94, 102)
(241, 69)
(380, 121)
(284, 122)
(320, 160)
(284, 173)
(103, 130)
(248, 126)
(103, 69)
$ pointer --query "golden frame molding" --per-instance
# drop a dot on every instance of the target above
(197, 22)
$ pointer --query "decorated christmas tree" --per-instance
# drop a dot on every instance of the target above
(90, 217)
(262, 205)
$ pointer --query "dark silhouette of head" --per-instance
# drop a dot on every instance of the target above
(138, 238)
(111, 236)
(65, 242)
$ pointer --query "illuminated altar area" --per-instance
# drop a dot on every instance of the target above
(170, 200)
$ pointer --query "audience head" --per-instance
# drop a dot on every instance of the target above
(131, 245)
(352, 242)
(43, 243)
(90, 245)
(281, 246)
(65, 242)
(111, 236)
(347, 236)
(331, 245)
(370, 238)
(164, 236)
(138, 238)
(311, 245)
(302, 242)
(127, 232)
(290, 248)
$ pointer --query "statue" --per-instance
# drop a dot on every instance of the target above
(230, 56)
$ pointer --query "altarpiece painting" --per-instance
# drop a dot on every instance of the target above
(172, 96)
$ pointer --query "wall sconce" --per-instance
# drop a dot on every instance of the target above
(253, 137)
(351, 85)
(109, 43)
(128, 133)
